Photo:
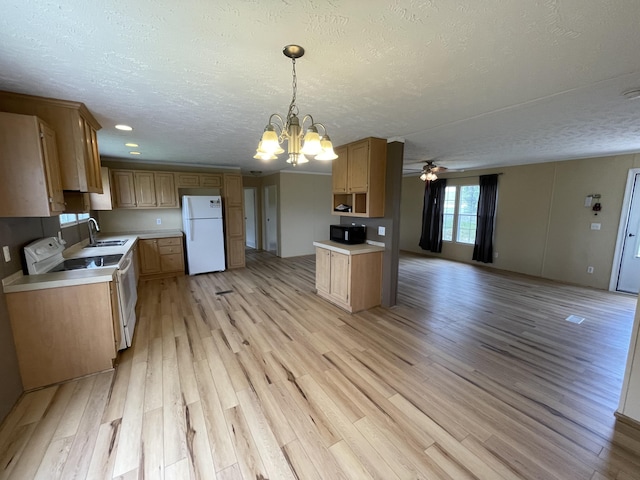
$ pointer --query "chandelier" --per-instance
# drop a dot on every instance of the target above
(300, 144)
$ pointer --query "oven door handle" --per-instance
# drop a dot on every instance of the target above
(123, 271)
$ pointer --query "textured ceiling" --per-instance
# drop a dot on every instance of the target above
(469, 83)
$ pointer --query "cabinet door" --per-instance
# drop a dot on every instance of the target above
(234, 220)
(323, 269)
(173, 262)
(149, 256)
(340, 276)
(339, 170)
(211, 181)
(145, 189)
(358, 171)
(52, 168)
(91, 158)
(124, 193)
(166, 196)
(187, 180)
(102, 201)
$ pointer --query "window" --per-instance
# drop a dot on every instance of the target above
(460, 213)
(467, 213)
(67, 219)
(449, 213)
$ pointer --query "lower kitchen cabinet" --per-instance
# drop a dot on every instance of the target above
(352, 282)
(64, 333)
(161, 256)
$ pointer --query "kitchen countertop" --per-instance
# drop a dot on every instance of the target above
(18, 282)
(348, 249)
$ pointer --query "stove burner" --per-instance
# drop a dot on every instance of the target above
(87, 262)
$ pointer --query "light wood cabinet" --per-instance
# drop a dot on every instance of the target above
(29, 169)
(102, 201)
(234, 220)
(161, 256)
(352, 282)
(195, 180)
(76, 137)
(358, 178)
(64, 333)
(143, 189)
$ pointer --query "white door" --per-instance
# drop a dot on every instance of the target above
(250, 217)
(629, 272)
(271, 219)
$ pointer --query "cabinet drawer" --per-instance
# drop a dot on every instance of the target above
(169, 249)
(172, 263)
(169, 241)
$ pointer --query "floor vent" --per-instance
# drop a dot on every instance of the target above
(574, 319)
(223, 292)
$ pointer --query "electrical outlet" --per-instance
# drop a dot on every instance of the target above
(6, 253)
(381, 231)
(495, 254)
(595, 226)
(589, 269)
(158, 221)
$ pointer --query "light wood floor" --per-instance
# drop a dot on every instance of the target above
(247, 374)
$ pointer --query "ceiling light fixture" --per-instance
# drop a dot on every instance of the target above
(300, 144)
(429, 171)
(126, 128)
(132, 145)
(134, 153)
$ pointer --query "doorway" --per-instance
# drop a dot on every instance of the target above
(626, 271)
(271, 218)
(250, 220)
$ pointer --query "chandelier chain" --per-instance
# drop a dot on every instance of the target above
(293, 108)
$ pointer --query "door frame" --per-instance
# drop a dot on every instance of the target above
(253, 220)
(622, 228)
(265, 216)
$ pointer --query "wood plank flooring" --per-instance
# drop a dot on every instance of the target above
(248, 374)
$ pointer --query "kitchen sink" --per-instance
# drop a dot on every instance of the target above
(88, 262)
(108, 243)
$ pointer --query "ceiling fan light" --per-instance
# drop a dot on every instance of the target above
(423, 177)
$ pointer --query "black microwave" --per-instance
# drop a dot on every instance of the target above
(350, 234)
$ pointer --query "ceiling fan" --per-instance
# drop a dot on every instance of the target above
(429, 171)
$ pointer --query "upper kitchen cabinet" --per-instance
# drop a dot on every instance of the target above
(76, 137)
(359, 178)
(202, 180)
(143, 189)
(29, 170)
(102, 201)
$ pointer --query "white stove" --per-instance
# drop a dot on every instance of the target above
(45, 255)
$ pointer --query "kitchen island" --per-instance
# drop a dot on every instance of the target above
(349, 276)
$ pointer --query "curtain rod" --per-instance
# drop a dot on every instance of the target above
(471, 176)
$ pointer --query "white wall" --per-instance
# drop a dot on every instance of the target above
(305, 212)
(630, 396)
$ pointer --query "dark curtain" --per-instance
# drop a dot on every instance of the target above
(483, 248)
(432, 215)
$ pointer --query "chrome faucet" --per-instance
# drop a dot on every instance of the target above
(93, 229)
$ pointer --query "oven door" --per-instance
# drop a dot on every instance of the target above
(127, 298)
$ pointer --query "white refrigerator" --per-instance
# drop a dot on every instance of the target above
(202, 224)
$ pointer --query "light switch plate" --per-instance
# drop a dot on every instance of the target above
(595, 226)
(6, 253)
(381, 231)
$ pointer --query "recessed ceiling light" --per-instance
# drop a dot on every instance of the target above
(133, 145)
(126, 128)
(632, 94)
(134, 153)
